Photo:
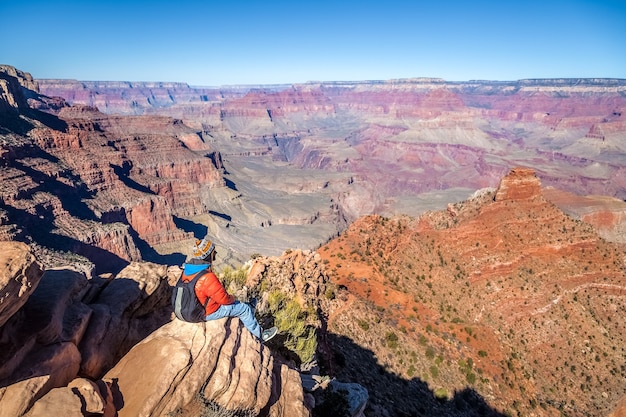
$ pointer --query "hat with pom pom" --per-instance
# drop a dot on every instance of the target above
(203, 250)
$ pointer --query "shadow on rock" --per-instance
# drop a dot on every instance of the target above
(391, 395)
(199, 230)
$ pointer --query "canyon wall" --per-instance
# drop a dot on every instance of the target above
(396, 146)
(106, 188)
(265, 168)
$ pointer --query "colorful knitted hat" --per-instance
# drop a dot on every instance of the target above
(203, 249)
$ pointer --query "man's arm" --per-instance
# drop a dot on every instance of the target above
(213, 288)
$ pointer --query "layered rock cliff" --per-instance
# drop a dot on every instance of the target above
(384, 147)
(107, 188)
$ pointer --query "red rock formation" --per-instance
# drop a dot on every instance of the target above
(101, 181)
(521, 303)
(519, 184)
(380, 145)
(19, 276)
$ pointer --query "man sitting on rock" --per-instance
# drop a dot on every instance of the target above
(220, 304)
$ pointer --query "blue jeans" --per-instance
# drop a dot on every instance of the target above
(241, 310)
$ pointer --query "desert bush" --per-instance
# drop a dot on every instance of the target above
(212, 409)
(441, 394)
(363, 324)
(234, 277)
(291, 321)
(430, 352)
(392, 340)
(470, 377)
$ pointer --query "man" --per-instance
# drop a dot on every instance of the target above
(211, 293)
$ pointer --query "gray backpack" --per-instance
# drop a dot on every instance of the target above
(186, 305)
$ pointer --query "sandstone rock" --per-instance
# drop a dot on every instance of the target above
(291, 399)
(47, 368)
(59, 402)
(220, 359)
(19, 276)
(18, 398)
(90, 395)
(297, 273)
(11, 95)
(126, 310)
(519, 184)
(24, 79)
(38, 346)
(47, 306)
(41, 323)
(356, 395)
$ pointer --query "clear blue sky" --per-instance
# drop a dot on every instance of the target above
(214, 43)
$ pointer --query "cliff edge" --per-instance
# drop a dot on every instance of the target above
(108, 346)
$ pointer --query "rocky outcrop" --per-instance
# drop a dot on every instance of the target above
(519, 184)
(322, 153)
(386, 147)
(221, 360)
(457, 304)
(12, 81)
(108, 346)
(19, 276)
(71, 325)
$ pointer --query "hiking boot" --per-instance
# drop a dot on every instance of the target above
(269, 333)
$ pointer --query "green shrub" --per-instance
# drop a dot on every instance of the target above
(441, 394)
(470, 377)
(430, 352)
(392, 340)
(211, 409)
(363, 324)
(330, 292)
(291, 321)
(235, 277)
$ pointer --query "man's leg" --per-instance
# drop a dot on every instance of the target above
(241, 310)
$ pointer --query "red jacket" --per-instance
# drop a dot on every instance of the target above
(210, 286)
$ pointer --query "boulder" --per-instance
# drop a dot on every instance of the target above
(59, 402)
(219, 359)
(19, 276)
(356, 394)
(127, 309)
(47, 368)
(46, 321)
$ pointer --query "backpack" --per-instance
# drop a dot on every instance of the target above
(186, 305)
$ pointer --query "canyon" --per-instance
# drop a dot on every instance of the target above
(462, 244)
(303, 161)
